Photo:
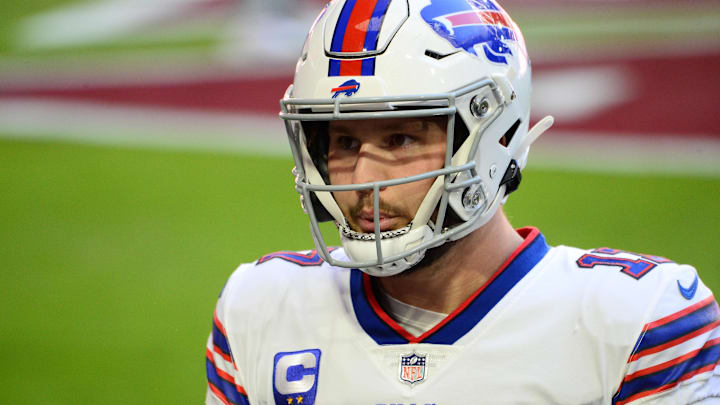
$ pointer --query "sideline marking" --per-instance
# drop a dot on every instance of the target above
(112, 125)
(670, 154)
(96, 22)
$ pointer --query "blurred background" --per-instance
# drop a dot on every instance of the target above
(141, 160)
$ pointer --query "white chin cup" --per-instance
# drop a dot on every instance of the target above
(366, 251)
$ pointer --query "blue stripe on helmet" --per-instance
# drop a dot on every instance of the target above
(368, 67)
(373, 30)
(339, 34)
(334, 69)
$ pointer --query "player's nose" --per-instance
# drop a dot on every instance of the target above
(371, 165)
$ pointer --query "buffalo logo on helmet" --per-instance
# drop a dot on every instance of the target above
(467, 23)
(347, 89)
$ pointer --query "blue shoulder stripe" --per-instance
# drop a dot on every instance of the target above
(685, 325)
(220, 340)
(670, 376)
(301, 259)
(226, 387)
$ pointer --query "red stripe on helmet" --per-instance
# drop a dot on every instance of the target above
(351, 68)
(357, 26)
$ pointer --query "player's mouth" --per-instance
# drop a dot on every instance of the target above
(366, 222)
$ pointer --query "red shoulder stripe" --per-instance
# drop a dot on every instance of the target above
(219, 394)
(672, 362)
(675, 342)
(666, 387)
(679, 314)
(225, 376)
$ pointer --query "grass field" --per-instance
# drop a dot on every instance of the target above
(112, 258)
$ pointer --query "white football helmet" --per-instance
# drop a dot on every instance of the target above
(370, 59)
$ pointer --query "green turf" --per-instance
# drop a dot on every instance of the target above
(190, 36)
(12, 12)
(159, 40)
(112, 258)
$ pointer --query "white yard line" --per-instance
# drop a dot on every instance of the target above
(168, 66)
(112, 125)
(94, 22)
(627, 153)
(679, 24)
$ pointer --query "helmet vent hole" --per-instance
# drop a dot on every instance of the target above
(509, 134)
(438, 55)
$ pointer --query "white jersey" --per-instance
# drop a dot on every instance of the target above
(552, 326)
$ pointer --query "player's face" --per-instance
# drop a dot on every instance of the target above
(375, 150)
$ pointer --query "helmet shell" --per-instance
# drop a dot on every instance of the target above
(467, 56)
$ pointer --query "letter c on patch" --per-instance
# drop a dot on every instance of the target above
(296, 373)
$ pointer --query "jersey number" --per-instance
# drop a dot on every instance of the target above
(301, 259)
(635, 268)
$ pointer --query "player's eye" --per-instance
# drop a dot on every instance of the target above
(347, 143)
(400, 140)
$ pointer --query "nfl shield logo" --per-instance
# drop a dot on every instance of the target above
(412, 368)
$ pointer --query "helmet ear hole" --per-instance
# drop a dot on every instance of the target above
(321, 214)
(318, 142)
(461, 133)
(509, 134)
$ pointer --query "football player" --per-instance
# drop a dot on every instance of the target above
(408, 122)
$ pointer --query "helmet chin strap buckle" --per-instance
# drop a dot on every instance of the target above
(512, 177)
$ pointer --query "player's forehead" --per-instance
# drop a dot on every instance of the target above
(415, 125)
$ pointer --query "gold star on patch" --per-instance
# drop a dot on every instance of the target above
(299, 399)
(290, 400)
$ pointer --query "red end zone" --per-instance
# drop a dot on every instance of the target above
(671, 95)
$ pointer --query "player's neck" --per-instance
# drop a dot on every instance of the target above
(465, 266)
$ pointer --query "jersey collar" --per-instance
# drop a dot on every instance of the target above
(385, 331)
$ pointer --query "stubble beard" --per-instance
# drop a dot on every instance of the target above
(432, 256)
(385, 208)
